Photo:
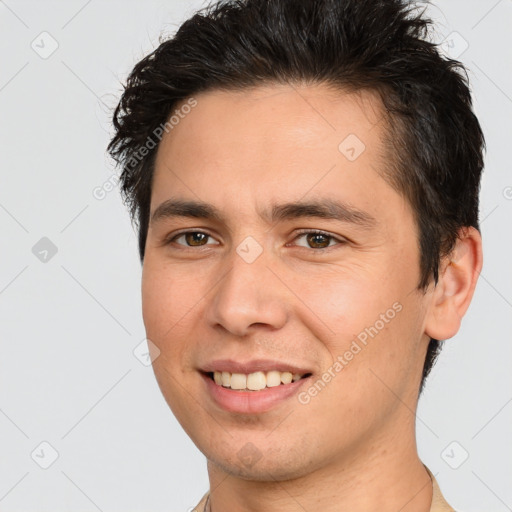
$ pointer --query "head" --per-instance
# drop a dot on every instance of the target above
(254, 104)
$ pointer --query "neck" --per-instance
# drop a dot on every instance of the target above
(382, 476)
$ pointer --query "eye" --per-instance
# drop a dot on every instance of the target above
(315, 239)
(192, 238)
(318, 239)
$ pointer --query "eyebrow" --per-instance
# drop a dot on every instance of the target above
(326, 209)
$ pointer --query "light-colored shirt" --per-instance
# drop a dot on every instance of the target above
(439, 504)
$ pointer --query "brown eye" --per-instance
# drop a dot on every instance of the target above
(318, 240)
(195, 238)
(192, 238)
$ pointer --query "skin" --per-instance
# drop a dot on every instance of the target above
(353, 446)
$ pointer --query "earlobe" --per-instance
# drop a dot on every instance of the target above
(457, 281)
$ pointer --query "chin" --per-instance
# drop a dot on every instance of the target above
(261, 473)
(249, 463)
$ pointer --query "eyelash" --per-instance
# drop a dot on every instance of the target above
(340, 241)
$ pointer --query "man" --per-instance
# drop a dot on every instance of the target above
(305, 176)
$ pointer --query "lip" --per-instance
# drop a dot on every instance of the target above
(251, 402)
(254, 365)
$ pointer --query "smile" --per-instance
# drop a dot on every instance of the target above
(254, 381)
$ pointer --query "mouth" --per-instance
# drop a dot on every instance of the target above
(232, 392)
(254, 386)
(254, 382)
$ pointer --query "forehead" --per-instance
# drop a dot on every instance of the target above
(275, 115)
(273, 142)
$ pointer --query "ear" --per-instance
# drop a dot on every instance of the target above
(452, 295)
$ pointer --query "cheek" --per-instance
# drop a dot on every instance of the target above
(370, 319)
(163, 306)
(345, 303)
(173, 298)
(155, 301)
(162, 309)
(166, 297)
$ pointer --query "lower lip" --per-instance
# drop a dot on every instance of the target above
(251, 402)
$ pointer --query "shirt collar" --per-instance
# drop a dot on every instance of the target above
(439, 504)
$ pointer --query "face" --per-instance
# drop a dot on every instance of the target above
(295, 257)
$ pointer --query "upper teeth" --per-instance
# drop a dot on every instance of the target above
(254, 381)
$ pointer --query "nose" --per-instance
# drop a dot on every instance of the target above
(249, 296)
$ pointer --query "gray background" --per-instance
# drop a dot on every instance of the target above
(70, 321)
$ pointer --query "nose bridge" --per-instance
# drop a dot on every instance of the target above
(249, 293)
